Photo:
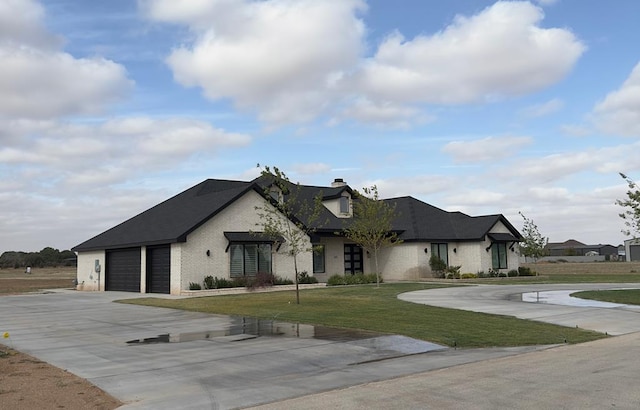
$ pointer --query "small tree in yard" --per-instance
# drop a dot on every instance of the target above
(288, 215)
(533, 243)
(631, 214)
(372, 224)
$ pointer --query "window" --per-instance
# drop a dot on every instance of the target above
(247, 259)
(441, 251)
(318, 258)
(344, 204)
(499, 255)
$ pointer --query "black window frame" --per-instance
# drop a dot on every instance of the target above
(261, 249)
(319, 255)
(499, 249)
(436, 250)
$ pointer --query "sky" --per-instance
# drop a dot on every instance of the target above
(110, 107)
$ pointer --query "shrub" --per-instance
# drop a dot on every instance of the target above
(208, 282)
(194, 286)
(512, 273)
(282, 281)
(261, 280)
(526, 271)
(357, 279)
(468, 276)
(482, 274)
(336, 280)
(438, 266)
(303, 277)
(502, 275)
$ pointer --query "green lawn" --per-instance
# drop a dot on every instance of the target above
(624, 296)
(378, 309)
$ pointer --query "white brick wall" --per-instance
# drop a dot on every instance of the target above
(88, 278)
(240, 216)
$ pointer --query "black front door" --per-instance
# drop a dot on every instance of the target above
(352, 259)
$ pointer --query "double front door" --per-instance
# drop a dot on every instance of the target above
(352, 259)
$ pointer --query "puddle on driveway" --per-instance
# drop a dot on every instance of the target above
(250, 328)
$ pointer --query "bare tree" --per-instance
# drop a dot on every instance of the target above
(533, 243)
(371, 227)
(289, 215)
(631, 214)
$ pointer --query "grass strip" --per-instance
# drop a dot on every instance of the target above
(378, 309)
(623, 296)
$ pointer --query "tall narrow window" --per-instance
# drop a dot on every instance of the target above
(441, 251)
(499, 255)
(318, 258)
(344, 204)
(237, 260)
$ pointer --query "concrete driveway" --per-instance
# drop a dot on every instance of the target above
(507, 300)
(596, 375)
(189, 360)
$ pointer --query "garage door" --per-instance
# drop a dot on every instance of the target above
(634, 253)
(158, 269)
(122, 270)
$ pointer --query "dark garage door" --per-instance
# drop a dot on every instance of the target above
(158, 269)
(123, 270)
(634, 253)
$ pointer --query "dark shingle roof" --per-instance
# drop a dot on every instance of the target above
(420, 221)
(172, 220)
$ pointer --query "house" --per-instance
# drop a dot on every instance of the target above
(572, 247)
(632, 249)
(212, 229)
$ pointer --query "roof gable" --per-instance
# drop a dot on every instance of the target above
(172, 220)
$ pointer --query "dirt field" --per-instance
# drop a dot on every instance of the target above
(14, 281)
(28, 383)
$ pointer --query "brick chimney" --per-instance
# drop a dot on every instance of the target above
(338, 182)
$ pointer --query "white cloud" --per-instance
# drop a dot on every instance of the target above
(576, 130)
(619, 112)
(38, 80)
(385, 114)
(21, 24)
(119, 149)
(544, 109)
(502, 51)
(311, 168)
(554, 167)
(476, 197)
(294, 61)
(278, 57)
(485, 149)
(417, 185)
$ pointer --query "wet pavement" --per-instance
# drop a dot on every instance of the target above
(156, 358)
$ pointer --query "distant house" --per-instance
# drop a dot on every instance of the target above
(210, 229)
(576, 248)
(632, 249)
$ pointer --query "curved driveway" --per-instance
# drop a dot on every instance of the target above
(507, 300)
